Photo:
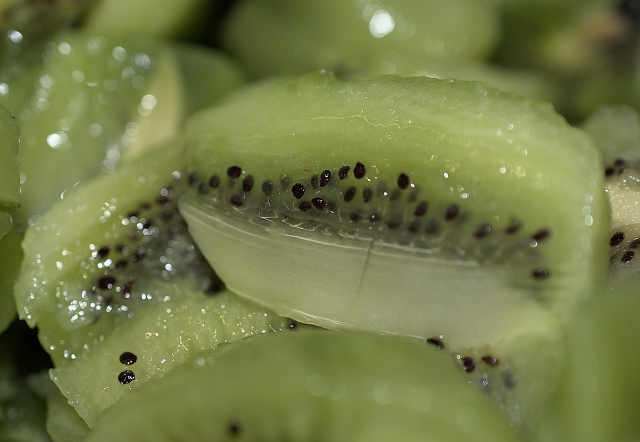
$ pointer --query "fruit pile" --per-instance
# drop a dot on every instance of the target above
(405, 220)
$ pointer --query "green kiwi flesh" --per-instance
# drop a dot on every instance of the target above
(275, 36)
(9, 170)
(85, 102)
(459, 224)
(596, 398)
(120, 274)
(307, 386)
(616, 132)
(10, 259)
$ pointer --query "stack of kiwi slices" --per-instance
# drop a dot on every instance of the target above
(230, 220)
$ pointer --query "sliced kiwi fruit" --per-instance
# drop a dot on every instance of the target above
(9, 170)
(599, 389)
(87, 101)
(120, 294)
(308, 386)
(616, 131)
(10, 260)
(397, 204)
(358, 37)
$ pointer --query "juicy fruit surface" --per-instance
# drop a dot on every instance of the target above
(10, 259)
(9, 170)
(425, 189)
(81, 105)
(121, 275)
(599, 389)
(308, 386)
(277, 36)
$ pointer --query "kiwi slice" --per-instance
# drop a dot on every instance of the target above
(10, 259)
(616, 131)
(275, 36)
(599, 389)
(308, 386)
(120, 294)
(9, 170)
(396, 205)
(87, 102)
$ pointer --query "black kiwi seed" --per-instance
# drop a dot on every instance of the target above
(349, 194)
(514, 226)
(491, 361)
(325, 177)
(403, 181)
(106, 282)
(293, 325)
(305, 206)
(482, 231)
(236, 200)
(609, 171)
(247, 183)
(126, 377)
(128, 358)
(541, 235)
(437, 342)
(374, 217)
(267, 187)
(318, 203)
(234, 172)
(343, 172)
(508, 380)
(413, 195)
(635, 243)
(203, 189)
(393, 223)
(355, 217)
(619, 162)
(627, 257)
(121, 264)
(421, 208)
(414, 226)
(367, 194)
(468, 364)
(395, 194)
(193, 178)
(102, 252)
(214, 182)
(452, 212)
(359, 170)
(616, 239)
(432, 227)
(315, 182)
(234, 429)
(297, 190)
(540, 274)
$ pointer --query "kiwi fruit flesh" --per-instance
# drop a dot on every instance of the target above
(304, 386)
(121, 295)
(9, 170)
(597, 395)
(395, 205)
(616, 132)
(275, 36)
(10, 260)
(86, 102)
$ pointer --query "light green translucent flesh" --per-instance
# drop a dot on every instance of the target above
(309, 386)
(82, 106)
(276, 36)
(9, 170)
(162, 338)
(599, 389)
(167, 311)
(10, 260)
(459, 143)
(63, 423)
(616, 132)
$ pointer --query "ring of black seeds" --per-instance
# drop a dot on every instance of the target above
(128, 358)
(343, 172)
(359, 170)
(325, 177)
(126, 377)
(318, 203)
(491, 361)
(452, 212)
(247, 183)
(403, 181)
(214, 182)
(236, 200)
(627, 257)
(350, 194)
